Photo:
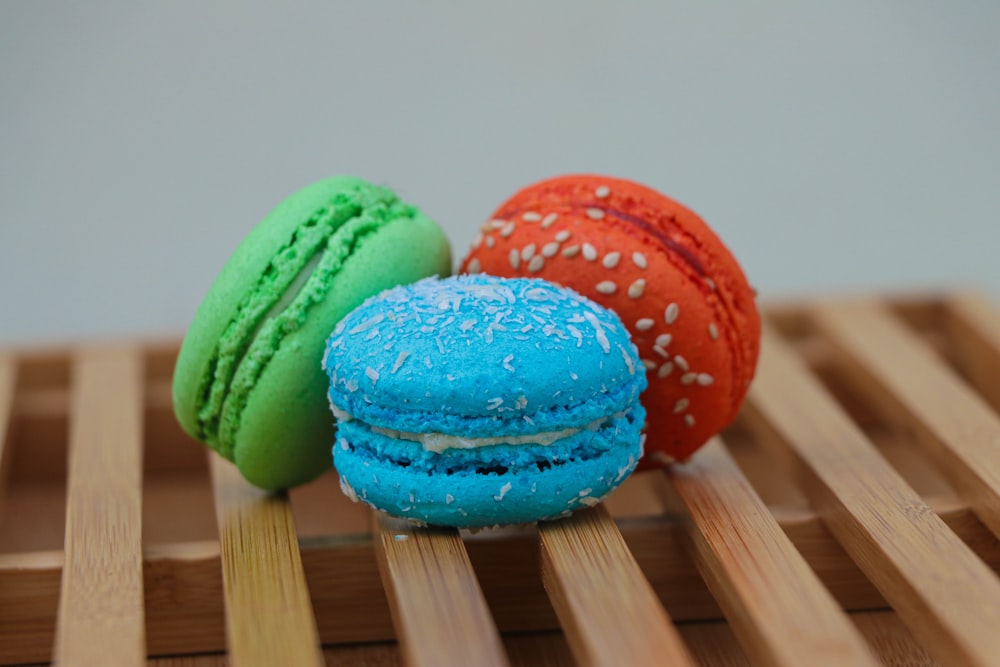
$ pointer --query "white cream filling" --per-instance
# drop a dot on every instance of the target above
(439, 442)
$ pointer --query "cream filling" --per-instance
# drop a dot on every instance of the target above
(439, 442)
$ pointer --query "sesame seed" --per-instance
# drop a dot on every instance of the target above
(507, 230)
(661, 351)
(644, 324)
(681, 405)
(531, 216)
(549, 219)
(490, 241)
(528, 252)
(688, 378)
(649, 364)
(665, 370)
(710, 283)
(496, 223)
(664, 339)
(595, 213)
(610, 260)
(515, 258)
(474, 265)
(550, 249)
(571, 251)
(589, 252)
(689, 420)
(636, 289)
(705, 379)
(681, 363)
(639, 260)
(563, 235)
(713, 331)
(602, 191)
(536, 264)
(606, 287)
(671, 313)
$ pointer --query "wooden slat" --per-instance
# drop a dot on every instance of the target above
(904, 375)
(8, 382)
(607, 608)
(269, 618)
(946, 595)
(776, 606)
(101, 617)
(437, 607)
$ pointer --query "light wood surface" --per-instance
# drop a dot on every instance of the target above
(607, 609)
(774, 603)
(932, 579)
(269, 618)
(8, 380)
(101, 612)
(437, 606)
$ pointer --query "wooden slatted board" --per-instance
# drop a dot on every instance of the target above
(850, 516)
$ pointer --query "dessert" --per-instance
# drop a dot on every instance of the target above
(479, 401)
(669, 277)
(247, 381)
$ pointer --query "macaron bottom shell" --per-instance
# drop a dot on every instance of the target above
(487, 486)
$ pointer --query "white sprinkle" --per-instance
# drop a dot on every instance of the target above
(563, 236)
(602, 191)
(585, 492)
(528, 252)
(372, 374)
(606, 287)
(449, 499)
(367, 324)
(531, 216)
(474, 265)
(639, 260)
(590, 501)
(688, 378)
(466, 325)
(689, 420)
(663, 340)
(427, 362)
(503, 491)
(488, 336)
(571, 251)
(602, 338)
(681, 405)
(550, 249)
(494, 403)
(575, 333)
(636, 289)
(713, 331)
(490, 241)
(589, 252)
(649, 364)
(399, 361)
(595, 213)
(549, 219)
(506, 362)
(536, 264)
(644, 324)
(628, 360)
(611, 260)
(704, 379)
(671, 313)
(507, 230)
(681, 363)
(665, 370)
(515, 258)
(660, 350)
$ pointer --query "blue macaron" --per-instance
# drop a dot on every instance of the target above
(481, 401)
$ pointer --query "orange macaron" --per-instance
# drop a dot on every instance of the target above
(679, 290)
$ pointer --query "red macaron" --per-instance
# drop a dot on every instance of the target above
(675, 285)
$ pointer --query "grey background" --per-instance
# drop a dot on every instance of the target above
(840, 148)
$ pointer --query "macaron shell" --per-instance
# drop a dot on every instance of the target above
(678, 289)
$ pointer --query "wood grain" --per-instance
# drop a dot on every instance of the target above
(944, 593)
(8, 384)
(101, 617)
(775, 604)
(269, 618)
(437, 606)
(902, 373)
(607, 609)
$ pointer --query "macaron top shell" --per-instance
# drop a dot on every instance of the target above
(482, 357)
(676, 286)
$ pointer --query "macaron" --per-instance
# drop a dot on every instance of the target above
(656, 263)
(247, 381)
(478, 401)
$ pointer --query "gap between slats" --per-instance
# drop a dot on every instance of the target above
(775, 604)
(606, 607)
(269, 616)
(101, 617)
(438, 609)
(902, 374)
(939, 587)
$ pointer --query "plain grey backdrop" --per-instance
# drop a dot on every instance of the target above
(844, 147)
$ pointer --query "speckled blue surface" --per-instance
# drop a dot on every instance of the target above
(477, 356)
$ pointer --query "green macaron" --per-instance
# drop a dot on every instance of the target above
(248, 381)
